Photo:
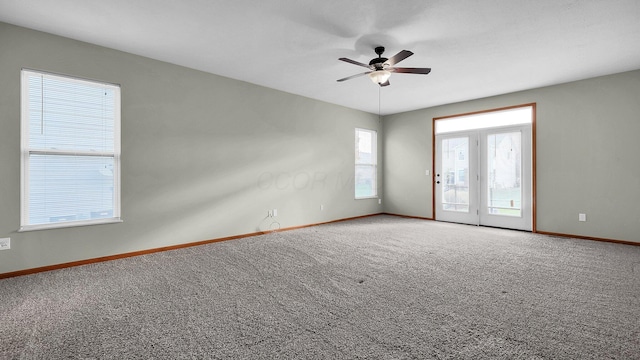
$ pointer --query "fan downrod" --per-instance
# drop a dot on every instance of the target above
(380, 60)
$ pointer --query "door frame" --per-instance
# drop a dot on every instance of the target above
(533, 156)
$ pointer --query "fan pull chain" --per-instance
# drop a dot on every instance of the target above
(379, 100)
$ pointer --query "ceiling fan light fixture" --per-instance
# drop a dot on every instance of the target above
(380, 68)
(379, 76)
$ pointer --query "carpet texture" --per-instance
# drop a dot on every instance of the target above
(382, 287)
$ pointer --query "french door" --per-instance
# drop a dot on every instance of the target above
(483, 177)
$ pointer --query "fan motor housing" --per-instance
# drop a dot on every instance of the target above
(377, 62)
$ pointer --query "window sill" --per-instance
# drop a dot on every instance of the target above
(69, 224)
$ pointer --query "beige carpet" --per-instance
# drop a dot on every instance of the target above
(380, 288)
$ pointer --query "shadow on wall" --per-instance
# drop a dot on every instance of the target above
(231, 201)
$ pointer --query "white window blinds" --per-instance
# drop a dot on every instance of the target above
(70, 151)
(366, 171)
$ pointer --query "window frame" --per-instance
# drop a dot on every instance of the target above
(373, 163)
(26, 151)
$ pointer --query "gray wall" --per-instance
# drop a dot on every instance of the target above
(203, 156)
(587, 155)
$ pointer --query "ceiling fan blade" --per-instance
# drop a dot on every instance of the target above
(398, 57)
(423, 71)
(355, 62)
(386, 83)
(354, 76)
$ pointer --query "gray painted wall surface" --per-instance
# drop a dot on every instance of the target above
(587, 155)
(203, 156)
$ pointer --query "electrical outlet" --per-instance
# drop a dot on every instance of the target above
(5, 244)
(379, 201)
(321, 207)
(275, 212)
(582, 217)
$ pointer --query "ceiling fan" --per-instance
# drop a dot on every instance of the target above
(381, 68)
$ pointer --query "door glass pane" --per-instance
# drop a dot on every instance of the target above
(455, 174)
(504, 174)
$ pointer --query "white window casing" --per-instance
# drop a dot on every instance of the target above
(366, 164)
(70, 151)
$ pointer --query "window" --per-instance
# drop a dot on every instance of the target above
(508, 117)
(366, 164)
(70, 148)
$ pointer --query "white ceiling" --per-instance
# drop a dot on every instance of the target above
(475, 48)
